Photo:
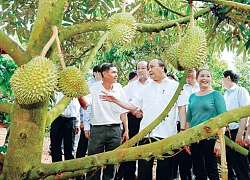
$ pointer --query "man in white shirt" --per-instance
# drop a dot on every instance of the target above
(106, 117)
(152, 100)
(63, 129)
(134, 117)
(82, 142)
(183, 159)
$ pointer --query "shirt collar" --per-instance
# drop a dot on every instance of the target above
(232, 88)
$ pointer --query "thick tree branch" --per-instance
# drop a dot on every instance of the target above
(5, 107)
(162, 26)
(13, 49)
(156, 149)
(102, 26)
(50, 13)
(227, 3)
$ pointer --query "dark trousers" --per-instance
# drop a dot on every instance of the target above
(62, 129)
(204, 160)
(164, 168)
(81, 149)
(102, 139)
(184, 161)
(238, 164)
(127, 169)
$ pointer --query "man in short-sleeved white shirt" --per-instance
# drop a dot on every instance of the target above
(153, 99)
(106, 117)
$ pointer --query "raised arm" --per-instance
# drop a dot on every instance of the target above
(123, 104)
(83, 102)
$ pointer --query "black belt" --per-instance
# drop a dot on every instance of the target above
(69, 118)
(107, 125)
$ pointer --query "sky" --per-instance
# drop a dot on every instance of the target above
(229, 57)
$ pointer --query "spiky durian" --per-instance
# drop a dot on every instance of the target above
(122, 28)
(72, 82)
(171, 56)
(192, 49)
(34, 81)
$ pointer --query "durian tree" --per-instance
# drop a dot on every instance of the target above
(84, 28)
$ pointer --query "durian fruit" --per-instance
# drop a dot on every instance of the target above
(122, 28)
(192, 49)
(34, 81)
(72, 82)
(171, 56)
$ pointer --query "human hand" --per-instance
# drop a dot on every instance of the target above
(87, 133)
(138, 113)
(187, 149)
(81, 126)
(239, 139)
(107, 97)
(76, 130)
(217, 150)
(247, 140)
(125, 136)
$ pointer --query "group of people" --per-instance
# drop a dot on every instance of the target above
(112, 114)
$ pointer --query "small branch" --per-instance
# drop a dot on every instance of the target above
(57, 110)
(211, 32)
(49, 43)
(191, 14)
(178, 32)
(123, 6)
(60, 52)
(93, 52)
(5, 107)
(167, 8)
(135, 9)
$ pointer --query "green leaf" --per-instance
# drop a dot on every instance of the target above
(188, 10)
(150, 6)
(117, 4)
(160, 12)
(227, 39)
(158, 40)
(248, 33)
(110, 4)
(238, 37)
(165, 12)
(242, 28)
(224, 9)
(247, 44)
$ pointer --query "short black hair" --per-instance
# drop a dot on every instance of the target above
(106, 66)
(162, 64)
(234, 76)
(96, 68)
(173, 76)
(132, 74)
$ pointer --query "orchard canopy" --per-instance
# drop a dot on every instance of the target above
(79, 33)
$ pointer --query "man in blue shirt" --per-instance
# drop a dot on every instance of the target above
(235, 96)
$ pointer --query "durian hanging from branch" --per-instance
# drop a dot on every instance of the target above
(37, 80)
(171, 54)
(193, 47)
(72, 82)
(122, 27)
